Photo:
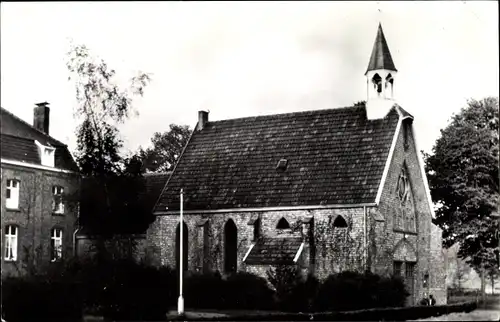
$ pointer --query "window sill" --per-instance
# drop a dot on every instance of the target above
(13, 209)
(10, 260)
(57, 213)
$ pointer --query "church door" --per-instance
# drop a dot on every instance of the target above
(410, 282)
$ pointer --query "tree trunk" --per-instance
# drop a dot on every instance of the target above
(483, 286)
(492, 284)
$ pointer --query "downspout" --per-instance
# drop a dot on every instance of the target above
(74, 242)
(365, 242)
(77, 229)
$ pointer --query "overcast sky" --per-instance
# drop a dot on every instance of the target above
(250, 58)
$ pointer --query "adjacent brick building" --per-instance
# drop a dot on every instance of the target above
(39, 179)
(327, 190)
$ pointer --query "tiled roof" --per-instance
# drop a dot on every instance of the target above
(334, 156)
(154, 183)
(274, 251)
(18, 143)
(381, 56)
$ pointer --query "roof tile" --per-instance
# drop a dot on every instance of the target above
(232, 163)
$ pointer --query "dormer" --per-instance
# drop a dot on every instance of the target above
(47, 154)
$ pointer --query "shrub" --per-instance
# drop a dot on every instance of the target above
(204, 290)
(238, 291)
(129, 290)
(37, 299)
(294, 293)
(116, 289)
(247, 291)
(354, 291)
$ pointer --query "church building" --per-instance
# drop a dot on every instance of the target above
(325, 190)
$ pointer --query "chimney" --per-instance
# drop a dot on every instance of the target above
(41, 117)
(202, 120)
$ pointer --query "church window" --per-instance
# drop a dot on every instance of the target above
(339, 222)
(405, 213)
(283, 224)
(377, 83)
(397, 265)
(256, 229)
(230, 246)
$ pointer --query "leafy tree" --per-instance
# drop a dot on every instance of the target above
(112, 185)
(464, 182)
(166, 148)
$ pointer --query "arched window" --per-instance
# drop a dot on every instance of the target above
(377, 83)
(339, 222)
(206, 247)
(405, 217)
(389, 81)
(230, 246)
(283, 224)
(185, 248)
(256, 229)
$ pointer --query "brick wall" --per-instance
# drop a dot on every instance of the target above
(386, 238)
(34, 218)
(161, 236)
(437, 282)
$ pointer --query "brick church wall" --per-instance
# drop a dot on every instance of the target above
(350, 254)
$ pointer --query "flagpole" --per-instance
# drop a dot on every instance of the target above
(180, 302)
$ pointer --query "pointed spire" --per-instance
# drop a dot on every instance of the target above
(381, 56)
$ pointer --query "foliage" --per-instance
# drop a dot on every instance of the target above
(166, 149)
(102, 105)
(293, 292)
(110, 196)
(115, 289)
(237, 291)
(464, 180)
(354, 291)
(36, 299)
(248, 291)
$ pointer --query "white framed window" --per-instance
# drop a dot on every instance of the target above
(57, 200)
(11, 233)
(12, 194)
(46, 154)
(56, 244)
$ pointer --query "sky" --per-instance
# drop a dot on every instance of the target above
(239, 59)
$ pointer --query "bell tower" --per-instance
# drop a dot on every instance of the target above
(380, 79)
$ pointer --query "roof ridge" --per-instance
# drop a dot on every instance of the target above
(289, 113)
(3, 109)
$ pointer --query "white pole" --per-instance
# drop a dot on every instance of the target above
(180, 302)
